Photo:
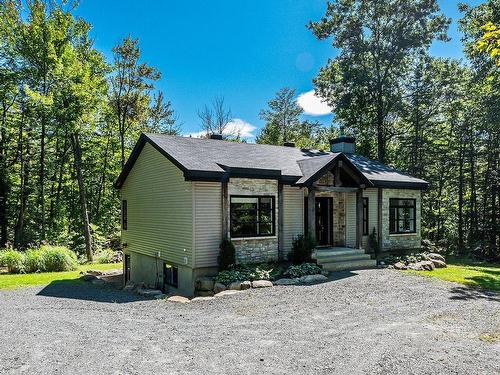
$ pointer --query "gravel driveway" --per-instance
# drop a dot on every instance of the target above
(366, 322)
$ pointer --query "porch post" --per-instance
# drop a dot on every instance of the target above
(281, 215)
(311, 212)
(359, 218)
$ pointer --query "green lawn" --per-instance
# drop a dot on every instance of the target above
(10, 281)
(482, 275)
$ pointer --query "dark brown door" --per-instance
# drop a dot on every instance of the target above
(323, 220)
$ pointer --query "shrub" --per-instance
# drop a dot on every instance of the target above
(302, 249)
(34, 262)
(227, 277)
(13, 260)
(303, 269)
(226, 256)
(373, 242)
(58, 258)
(104, 256)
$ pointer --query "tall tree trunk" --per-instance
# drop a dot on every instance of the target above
(42, 178)
(102, 182)
(3, 179)
(77, 153)
(24, 177)
(461, 247)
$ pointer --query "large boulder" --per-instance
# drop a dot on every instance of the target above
(438, 263)
(234, 286)
(436, 256)
(261, 284)
(178, 299)
(246, 285)
(424, 265)
(227, 293)
(219, 287)
(287, 282)
(198, 299)
(205, 283)
(400, 266)
(313, 279)
(94, 272)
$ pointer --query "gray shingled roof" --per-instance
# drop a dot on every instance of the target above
(212, 159)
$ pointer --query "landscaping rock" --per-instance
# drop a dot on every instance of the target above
(219, 287)
(97, 281)
(246, 285)
(227, 293)
(204, 293)
(234, 286)
(261, 284)
(435, 256)
(149, 292)
(313, 279)
(161, 296)
(179, 299)
(88, 277)
(400, 266)
(287, 282)
(205, 283)
(94, 272)
(112, 272)
(424, 265)
(197, 299)
(438, 263)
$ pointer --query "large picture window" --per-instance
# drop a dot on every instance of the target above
(402, 216)
(252, 216)
(365, 217)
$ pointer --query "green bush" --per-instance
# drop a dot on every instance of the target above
(13, 260)
(227, 277)
(33, 261)
(226, 256)
(104, 256)
(58, 258)
(302, 249)
(373, 242)
(303, 269)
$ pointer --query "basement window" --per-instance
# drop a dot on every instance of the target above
(252, 216)
(170, 275)
(402, 217)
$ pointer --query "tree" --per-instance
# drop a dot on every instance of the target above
(130, 86)
(376, 41)
(162, 118)
(215, 119)
(282, 118)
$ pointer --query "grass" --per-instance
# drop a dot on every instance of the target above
(474, 274)
(14, 281)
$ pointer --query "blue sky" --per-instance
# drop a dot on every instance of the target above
(242, 50)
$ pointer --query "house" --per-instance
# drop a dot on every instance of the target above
(181, 196)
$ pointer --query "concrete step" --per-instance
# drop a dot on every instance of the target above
(321, 253)
(349, 265)
(342, 257)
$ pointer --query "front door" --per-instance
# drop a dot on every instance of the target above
(323, 220)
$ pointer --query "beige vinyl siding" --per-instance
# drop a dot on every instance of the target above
(293, 215)
(160, 216)
(350, 219)
(207, 222)
(372, 195)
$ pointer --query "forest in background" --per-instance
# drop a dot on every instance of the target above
(69, 118)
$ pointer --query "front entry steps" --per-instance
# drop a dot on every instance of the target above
(343, 259)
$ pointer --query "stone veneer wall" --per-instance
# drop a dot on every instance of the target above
(255, 249)
(400, 241)
(339, 219)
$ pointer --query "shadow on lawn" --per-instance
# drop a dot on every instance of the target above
(82, 290)
(473, 292)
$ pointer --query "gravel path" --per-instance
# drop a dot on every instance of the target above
(366, 322)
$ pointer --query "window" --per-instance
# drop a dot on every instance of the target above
(124, 214)
(252, 216)
(365, 217)
(402, 216)
(170, 275)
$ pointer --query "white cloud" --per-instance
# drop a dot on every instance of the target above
(313, 105)
(235, 127)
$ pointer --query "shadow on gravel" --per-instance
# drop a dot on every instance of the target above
(76, 289)
(469, 293)
(339, 275)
